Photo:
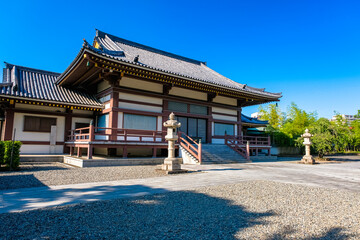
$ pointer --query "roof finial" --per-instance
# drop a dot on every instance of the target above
(136, 59)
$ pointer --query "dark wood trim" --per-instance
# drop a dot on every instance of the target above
(9, 123)
(67, 128)
(209, 126)
(138, 112)
(167, 113)
(225, 114)
(174, 98)
(40, 142)
(239, 126)
(113, 115)
(225, 121)
(52, 113)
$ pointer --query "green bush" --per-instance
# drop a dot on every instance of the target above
(5, 153)
(2, 149)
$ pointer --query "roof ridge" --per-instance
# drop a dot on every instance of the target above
(31, 69)
(148, 48)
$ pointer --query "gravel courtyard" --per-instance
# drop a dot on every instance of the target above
(247, 210)
(263, 200)
(50, 174)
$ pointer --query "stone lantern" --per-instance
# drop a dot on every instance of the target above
(307, 158)
(171, 163)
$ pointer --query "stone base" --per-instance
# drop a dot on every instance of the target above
(308, 160)
(172, 166)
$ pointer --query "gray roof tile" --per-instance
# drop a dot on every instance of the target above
(125, 50)
(40, 85)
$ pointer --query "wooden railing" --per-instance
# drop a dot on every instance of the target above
(242, 140)
(91, 133)
(190, 145)
(237, 145)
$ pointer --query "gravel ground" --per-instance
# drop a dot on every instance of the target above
(47, 174)
(248, 210)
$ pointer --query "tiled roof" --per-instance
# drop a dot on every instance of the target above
(127, 51)
(254, 121)
(37, 84)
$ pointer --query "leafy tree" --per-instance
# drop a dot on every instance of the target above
(273, 115)
(323, 137)
(297, 121)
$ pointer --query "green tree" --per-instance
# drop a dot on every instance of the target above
(273, 115)
(297, 121)
(323, 137)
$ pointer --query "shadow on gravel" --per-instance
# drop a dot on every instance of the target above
(331, 234)
(166, 215)
(19, 181)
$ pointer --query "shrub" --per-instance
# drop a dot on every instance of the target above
(7, 147)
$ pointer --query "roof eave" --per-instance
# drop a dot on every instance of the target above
(273, 98)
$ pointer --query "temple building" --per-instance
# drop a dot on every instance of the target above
(114, 97)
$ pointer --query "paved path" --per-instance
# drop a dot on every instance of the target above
(338, 175)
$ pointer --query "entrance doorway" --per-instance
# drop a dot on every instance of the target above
(193, 127)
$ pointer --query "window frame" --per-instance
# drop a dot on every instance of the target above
(27, 129)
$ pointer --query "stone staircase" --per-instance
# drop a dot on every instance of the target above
(220, 154)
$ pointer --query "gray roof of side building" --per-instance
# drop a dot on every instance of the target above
(125, 50)
(24, 82)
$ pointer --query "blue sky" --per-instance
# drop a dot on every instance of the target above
(309, 50)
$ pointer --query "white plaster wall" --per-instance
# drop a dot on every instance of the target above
(225, 100)
(102, 86)
(140, 84)
(120, 120)
(79, 120)
(182, 92)
(140, 98)
(224, 110)
(236, 130)
(140, 107)
(38, 136)
(41, 149)
(107, 105)
(223, 117)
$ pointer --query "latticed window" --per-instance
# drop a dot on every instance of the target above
(197, 109)
(178, 107)
(133, 121)
(220, 129)
(38, 124)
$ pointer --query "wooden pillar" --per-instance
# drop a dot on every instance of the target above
(125, 152)
(71, 150)
(113, 120)
(9, 122)
(209, 126)
(68, 123)
(154, 152)
(165, 117)
(90, 151)
(79, 153)
(239, 125)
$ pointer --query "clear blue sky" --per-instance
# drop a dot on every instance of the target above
(309, 50)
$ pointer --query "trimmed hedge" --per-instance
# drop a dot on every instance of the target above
(5, 154)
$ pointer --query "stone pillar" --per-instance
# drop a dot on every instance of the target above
(171, 163)
(307, 158)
